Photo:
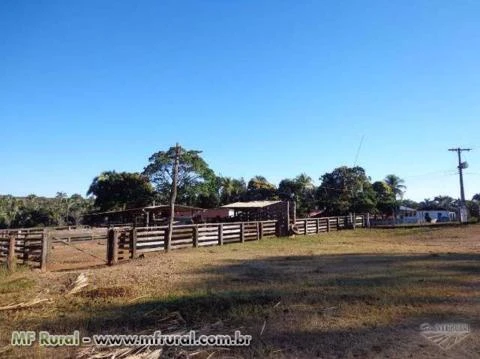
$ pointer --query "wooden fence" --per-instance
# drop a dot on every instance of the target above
(326, 224)
(24, 246)
(78, 235)
(31, 246)
(128, 243)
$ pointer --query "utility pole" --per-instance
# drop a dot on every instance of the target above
(461, 167)
(173, 196)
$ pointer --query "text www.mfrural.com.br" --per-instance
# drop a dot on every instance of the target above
(45, 339)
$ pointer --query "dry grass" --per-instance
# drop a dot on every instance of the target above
(359, 294)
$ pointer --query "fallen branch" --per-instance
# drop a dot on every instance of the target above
(80, 283)
(25, 304)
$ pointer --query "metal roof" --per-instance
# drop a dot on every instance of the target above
(178, 207)
(404, 208)
(251, 204)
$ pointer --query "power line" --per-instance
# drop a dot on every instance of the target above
(358, 150)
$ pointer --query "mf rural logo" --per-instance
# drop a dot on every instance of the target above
(445, 335)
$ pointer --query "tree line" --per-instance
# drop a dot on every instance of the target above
(34, 211)
(342, 191)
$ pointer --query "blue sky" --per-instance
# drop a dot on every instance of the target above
(262, 87)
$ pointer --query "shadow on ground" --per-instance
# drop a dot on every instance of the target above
(357, 305)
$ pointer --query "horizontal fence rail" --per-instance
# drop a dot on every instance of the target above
(307, 226)
(125, 243)
(24, 246)
(31, 246)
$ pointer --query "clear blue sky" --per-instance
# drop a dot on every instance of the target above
(262, 87)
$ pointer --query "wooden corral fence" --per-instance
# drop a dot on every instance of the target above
(327, 224)
(125, 243)
(86, 234)
(32, 246)
(24, 246)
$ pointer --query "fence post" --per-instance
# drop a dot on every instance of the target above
(165, 240)
(109, 246)
(338, 223)
(195, 236)
(133, 243)
(305, 227)
(11, 261)
(260, 230)
(242, 232)
(317, 226)
(328, 224)
(25, 252)
(220, 234)
(44, 256)
(112, 247)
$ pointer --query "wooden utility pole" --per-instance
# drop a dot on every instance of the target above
(461, 167)
(173, 197)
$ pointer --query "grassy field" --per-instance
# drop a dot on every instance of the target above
(350, 294)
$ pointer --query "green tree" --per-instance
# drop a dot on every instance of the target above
(396, 184)
(346, 190)
(259, 189)
(196, 181)
(408, 203)
(232, 189)
(9, 208)
(302, 190)
(473, 208)
(385, 197)
(120, 190)
(438, 203)
(77, 208)
(446, 202)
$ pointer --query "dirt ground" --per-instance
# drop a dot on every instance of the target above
(350, 294)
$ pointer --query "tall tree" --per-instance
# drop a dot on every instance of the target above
(231, 189)
(439, 203)
(302, 190)
(77, 207)
(345, 190)
(408, 203)
(259, 189)
(120, 190)
(385, 198)
(195, 178)
(446, 202)
(396, 184)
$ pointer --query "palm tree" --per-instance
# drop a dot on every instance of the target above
(305, 181)
(226, 188)
(427, 203)
(231, 189)
(396, 184)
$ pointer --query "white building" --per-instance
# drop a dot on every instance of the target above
(411, 215)
(436, 215)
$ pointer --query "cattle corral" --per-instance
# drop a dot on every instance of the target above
(358, 294)
(73, 248)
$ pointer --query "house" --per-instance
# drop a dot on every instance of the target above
(411, 215)
(407, 215)
(436, 215)
(215, 215)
